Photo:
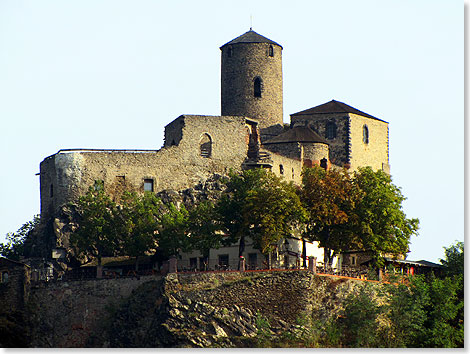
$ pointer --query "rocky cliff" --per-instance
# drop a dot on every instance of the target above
(183, 310)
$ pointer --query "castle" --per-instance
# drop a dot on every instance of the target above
(249, 133)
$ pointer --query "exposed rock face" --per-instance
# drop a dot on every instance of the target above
(182, 310)
(209, 190)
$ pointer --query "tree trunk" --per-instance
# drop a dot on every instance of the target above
(136, 263)
(99, 269)
(304, 253)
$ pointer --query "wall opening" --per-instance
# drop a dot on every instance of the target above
(271, 51)
(205, 146)
(281, 169)
(330, 131)
(258, 83)
(4, 277)
(223, 260)
(148, 185)
(365, 134)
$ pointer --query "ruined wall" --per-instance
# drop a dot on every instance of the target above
(175, 167)
(248, 61)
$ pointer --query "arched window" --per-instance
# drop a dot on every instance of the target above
(330, 131)
(205, 145)
(271, 51)
(281, 169)
(258, 85)
(229, 51)
(365, 134)
(4, 277)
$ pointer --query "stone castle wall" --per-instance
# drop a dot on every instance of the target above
(348, 148)
(70, 173)
(374, 153)
(248, 61)
(338, 147)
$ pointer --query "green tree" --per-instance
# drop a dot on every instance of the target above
(140, 218)
(173, 231)
(454, 260)
(330, 199)
(408, 313)
(380, 223)
(204, 228)
(99, 231)
(14, 248)
(359, 324)
(261, 206)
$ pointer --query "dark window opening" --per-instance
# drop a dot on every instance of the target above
(330, 132)
(257, 87)
(205, 146)
(324, 163)
(223, 260)
(365, 134)
(193, 263)
(229, 52)
(173, 143)
(252, 261)
(271, 51)
(5, 277)
(148, 185)
(281, 169)
(292, 173)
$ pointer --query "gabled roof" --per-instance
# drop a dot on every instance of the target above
(334, 107)
(251, 37)
(297, 134)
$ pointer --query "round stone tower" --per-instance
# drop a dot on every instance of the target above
(252, 79)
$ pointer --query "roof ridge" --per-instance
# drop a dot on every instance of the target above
(251, 37)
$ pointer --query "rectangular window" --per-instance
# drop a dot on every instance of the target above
(353, 260)
(193, 263)
(252, 260)
(148, 185)
(223, 260)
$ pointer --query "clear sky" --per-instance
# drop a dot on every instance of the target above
(111, 74)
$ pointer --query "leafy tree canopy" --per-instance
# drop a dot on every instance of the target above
(14, 248)
(381, 222)
(454, 259)
(260, 205)
(139, 217)
(98, 233)
(173, 231)
(330, 199)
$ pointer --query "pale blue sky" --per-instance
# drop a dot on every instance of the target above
(112, 74)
